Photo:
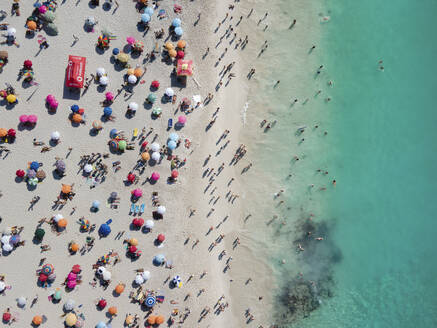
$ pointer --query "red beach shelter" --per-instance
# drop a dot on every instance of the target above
(75, 71)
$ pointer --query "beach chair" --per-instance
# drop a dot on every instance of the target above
(135, 132)
(142, 209)
(132, 209)
(170, 123)
(137, 209)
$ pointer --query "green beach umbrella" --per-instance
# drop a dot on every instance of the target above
(151, 98)
(39, 233)
(51, 29)
(32, 181)
(156, 111)
(49, 16)
(57, 295)
(122, 145)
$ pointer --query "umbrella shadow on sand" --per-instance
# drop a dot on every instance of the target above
(70, 93)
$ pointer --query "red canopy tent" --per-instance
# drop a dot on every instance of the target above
(184, 67)
(75, 71)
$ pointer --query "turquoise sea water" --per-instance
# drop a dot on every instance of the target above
(376, 266)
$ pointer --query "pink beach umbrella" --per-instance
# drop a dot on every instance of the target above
(71, 276)
(155, 176)
(109, 96)
(54, 104)
(32, 119)
(42, 9)
(24, 118)
(50, 98)
(130, 40)
(71, 284)
(182, 119)
(137, 193)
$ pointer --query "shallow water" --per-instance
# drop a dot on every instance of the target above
(375, 266)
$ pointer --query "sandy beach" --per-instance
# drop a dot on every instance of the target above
(203, 220)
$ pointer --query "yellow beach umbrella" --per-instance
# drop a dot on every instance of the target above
(70, 319)
(169, 45)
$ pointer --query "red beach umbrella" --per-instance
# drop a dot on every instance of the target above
(27, 64)
(174, 174)
(20, 173)
(155, 84)
(132, 249)
(6, 317)
(131, 177)
(42, 277)
(180, 54)
(161, 238)
(138, 222)
(102, 304)
(12, 133)
(76, 269)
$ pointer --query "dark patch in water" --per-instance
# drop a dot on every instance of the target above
(301, 295)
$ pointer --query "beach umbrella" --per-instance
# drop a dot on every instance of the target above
(5, 239)
(176, 22)
(100, 270)
(182, 119)
(6, 316)
(100, 71)
(112, 310)
(159, 320)
(51, 29)
(66, 189)
(51, 277)
(138, 72)
(49, 16)
(107, 111)
(32, 182)
(137, 193)
(155, 84)
(42, 277)
(32, 119)
(60, 165)
(177, 281)
(145, 18)
(105, 229)
(169, 45)
(104, 80)
(122, 144)
(74, 108)
(40, 174)
(39, 234)
(76, 118)
(37, 320)
(172, 53)
(131, 177)
(12, 133)
(50, 98)
(102, 303)
(113, 144)
(55, 135)
(113, 195)
(151, 320)
(58, 217)
(181, 44)
(139, 279)
(11, 31)
(132, 249)
(106, 275)
(130, 40)
(7, 247)
(146, 275)
(151, 98)
(138, 222)
(174, 174)
(3, 132)
(71, 284)
(149, 11)
(101, 324)
(97, 124)
(76, 269)
(171, 145)
(62, 223)
(113, 133)
(156, 111)
(178, 31)
(159, 259)
(133, 106)
(90, 20)
(42, 9)
(34, 165)
(149, 224)
(88, 168)
(174, 136)
(23, 118)
(95, 204)
(31, 173)
(155, 176)
(70, 319)
(11, 98)
(180, 54)
(20, 173)
(161, 210)
(119, 289)
(132, 79)
(58, 295)
(74, 247)
(145, 156)
(69, 305)
(47, 269)
(150, 301)
(160, 238)
(134, 241)
(21, 301)
(109, 96)
(154, 146)
(122, 57)
(129, 320)
(156, 156)
(169, 92)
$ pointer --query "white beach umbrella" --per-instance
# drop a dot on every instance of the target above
(169, 92)
(88, 168)
(106, 275)
(146, 275)
(57, 217)
(7, 247)
(161, 209)
(139, 279)
(156, 156)
(21, 301)
(90, 20)
(149, 224)
(154, 146)
(69, 305)
(5, 239)
(133, 106)
(55, 135)
(101, 270)
(100, 71)
(11, 31)
(132, 79)
(104, 80)
(2, 286)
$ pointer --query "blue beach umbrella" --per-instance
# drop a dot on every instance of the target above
(105, 229)
(145, 18)
(101, 324)
(31, 173)
(113, 133)
(149, 11)
(95, 204)
(115, 51)
(107, 111)
(179, 31)
(159, 259)
(171, 144)
(34, 166)
(150, 301)
(174, 136)
(74, 108)
(176, 22)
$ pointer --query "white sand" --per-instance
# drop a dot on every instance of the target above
(49, 66)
